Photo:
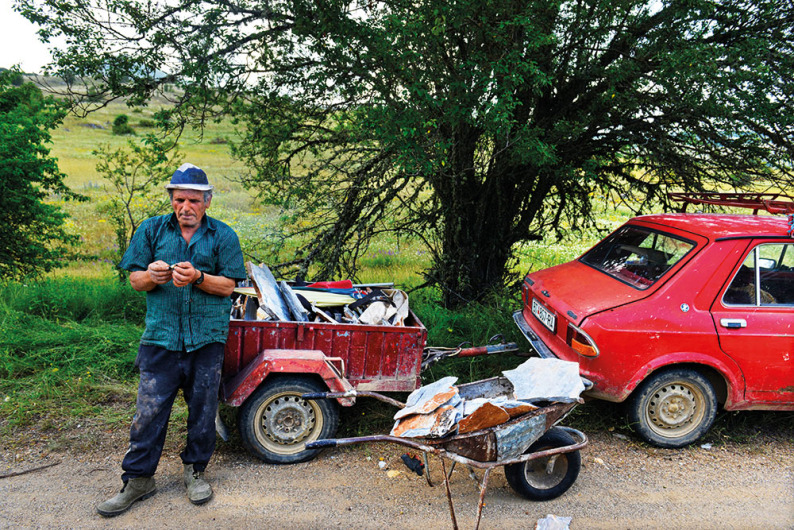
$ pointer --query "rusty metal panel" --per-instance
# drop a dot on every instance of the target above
(232, 360)
(480, 447)
(382, 358)
(307, 341)
(410, 354)
(372, 362)
(288, 338)
(252, 344)
(487, 415)
(340, 346)
(514, 439)
(323, 338)
(357, 356)
(390, 355)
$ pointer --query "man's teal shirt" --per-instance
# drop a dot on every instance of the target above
(185, 317)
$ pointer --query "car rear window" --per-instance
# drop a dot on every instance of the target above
(637, 256)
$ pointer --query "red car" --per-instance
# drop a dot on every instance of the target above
(677, 313)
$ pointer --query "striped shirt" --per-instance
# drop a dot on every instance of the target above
(186, 318)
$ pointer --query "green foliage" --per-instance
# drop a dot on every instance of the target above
(474, 324)
(121, 125)
(65, 347)
(135, 175)
(33, 239)
(75, 299)
(471, 126)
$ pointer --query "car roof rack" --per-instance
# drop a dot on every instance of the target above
(774, 203)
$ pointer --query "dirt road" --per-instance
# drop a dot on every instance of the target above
(622, 485)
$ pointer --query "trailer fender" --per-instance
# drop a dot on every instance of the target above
(237, 389)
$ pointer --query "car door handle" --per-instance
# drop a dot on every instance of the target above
(733, 323)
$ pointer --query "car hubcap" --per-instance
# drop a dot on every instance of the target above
(288, 419)
(675, 409)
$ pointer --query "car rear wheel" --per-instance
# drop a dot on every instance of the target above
(673, 408)
(276, 423)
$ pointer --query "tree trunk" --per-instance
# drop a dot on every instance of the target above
(479, 227)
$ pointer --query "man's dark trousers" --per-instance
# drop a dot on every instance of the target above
(163, 373)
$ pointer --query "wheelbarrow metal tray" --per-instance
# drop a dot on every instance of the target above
(508, 440)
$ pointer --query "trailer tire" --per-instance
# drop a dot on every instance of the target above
(275, 422)
(534, 479)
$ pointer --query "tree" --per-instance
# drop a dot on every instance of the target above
(135, 175)
(121, 125)
(33, 238)
(475, 125)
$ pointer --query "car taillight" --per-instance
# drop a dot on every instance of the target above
(525, 288)
(581, 342)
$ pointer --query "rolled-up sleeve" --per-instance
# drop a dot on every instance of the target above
(140, 253)
(230, 256)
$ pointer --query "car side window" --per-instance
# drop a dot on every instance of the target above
(765, 278)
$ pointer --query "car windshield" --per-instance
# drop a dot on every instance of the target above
(637, 256)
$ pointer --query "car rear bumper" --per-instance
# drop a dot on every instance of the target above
(538, 345)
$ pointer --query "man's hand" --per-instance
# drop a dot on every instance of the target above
(185, 273)
(159, 272)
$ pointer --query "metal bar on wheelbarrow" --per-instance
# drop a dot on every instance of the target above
(440, 451)
(353, 394)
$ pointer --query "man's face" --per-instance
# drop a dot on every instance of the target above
(189, 207)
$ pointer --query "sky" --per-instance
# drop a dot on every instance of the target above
(19, 43)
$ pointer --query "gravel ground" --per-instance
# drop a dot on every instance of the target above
(623, 484)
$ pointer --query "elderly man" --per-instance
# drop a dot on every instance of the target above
(187, 263)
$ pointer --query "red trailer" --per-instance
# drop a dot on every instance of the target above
(269, 365)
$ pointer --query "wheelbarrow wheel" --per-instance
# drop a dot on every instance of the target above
(276, 423)
(543, 479)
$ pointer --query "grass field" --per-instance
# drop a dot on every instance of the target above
(67, 343)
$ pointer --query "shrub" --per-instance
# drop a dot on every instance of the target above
(121, 125)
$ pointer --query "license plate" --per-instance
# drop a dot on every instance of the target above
(544, 315)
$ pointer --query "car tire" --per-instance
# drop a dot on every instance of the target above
(535, 479)
(673, 408)
(275, 422)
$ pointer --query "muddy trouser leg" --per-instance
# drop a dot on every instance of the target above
(160, 381)
(202, 380)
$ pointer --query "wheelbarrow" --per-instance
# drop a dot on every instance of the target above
(541, 460)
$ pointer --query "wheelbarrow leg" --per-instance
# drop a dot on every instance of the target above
(449, 496)
(483, 486)
(472, 474)
(427, 469)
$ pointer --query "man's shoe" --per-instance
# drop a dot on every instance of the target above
(198, 490)
(135, 489)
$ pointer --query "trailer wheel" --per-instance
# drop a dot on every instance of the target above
(673, 408)
(275, 422)
(544, 479)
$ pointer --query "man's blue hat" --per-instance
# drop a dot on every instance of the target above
(189, 177)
